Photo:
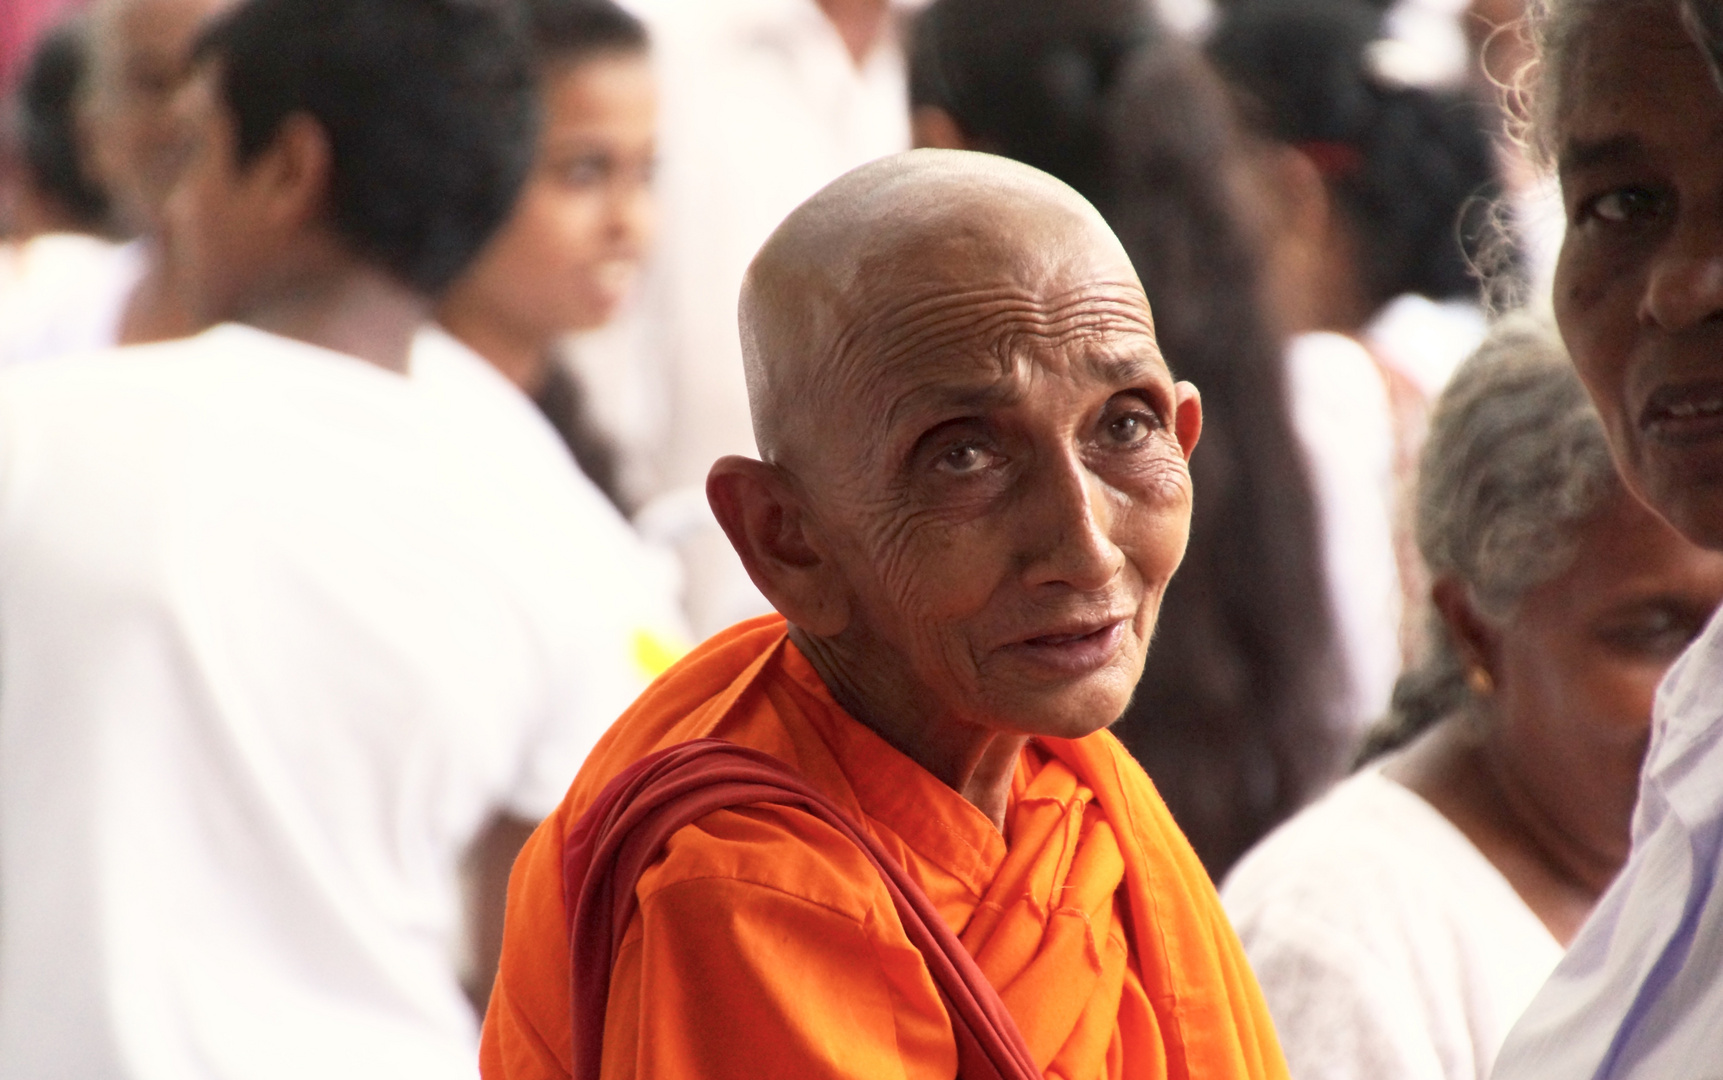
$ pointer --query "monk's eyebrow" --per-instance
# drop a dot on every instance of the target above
(977, 398)
(1583, 154)
(1121, 371)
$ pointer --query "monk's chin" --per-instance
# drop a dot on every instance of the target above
(1072, 711)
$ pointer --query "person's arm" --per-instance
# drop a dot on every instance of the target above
(485, 881)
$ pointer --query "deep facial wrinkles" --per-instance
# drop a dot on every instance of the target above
(943, 320)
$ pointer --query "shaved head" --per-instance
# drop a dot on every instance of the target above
(860, 273)
(975, 484)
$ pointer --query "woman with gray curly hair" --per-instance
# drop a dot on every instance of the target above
(1400, 924)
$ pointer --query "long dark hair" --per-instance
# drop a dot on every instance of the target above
(1236, 714)
(1029, 79)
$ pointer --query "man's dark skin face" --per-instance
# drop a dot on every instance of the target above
(986, 457)
(1639, 288)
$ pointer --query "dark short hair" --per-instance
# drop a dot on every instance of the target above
(47, 103)
(429, 107)
(566, 30)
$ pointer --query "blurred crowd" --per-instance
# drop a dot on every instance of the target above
(1419, 615)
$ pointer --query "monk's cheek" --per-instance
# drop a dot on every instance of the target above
(1157, 521)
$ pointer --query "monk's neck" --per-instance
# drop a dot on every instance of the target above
(976, 762)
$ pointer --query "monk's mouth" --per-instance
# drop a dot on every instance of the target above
(1079, 650)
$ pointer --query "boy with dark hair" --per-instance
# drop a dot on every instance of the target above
(370, 141)
(285, 636)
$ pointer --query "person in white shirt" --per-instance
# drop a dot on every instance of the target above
(285, 636)
(763, 103)
(1401, 924)
(1627, 107)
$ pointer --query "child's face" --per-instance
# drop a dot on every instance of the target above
(567, 256)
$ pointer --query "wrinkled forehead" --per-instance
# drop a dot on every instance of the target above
(988, 335)
(985, 287)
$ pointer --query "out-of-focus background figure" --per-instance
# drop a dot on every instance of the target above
(73, 294)
(1377, 195)
(763, 103)
(1401, 924)
(45, 184)
(566, 259)
(306, 622)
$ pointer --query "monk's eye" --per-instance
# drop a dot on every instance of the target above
(1126, 430)
(1128, 423)
(964, 458)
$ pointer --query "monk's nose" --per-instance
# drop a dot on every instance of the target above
(1069, 529)
(1685, 285)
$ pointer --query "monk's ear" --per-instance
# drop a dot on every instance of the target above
(763, 515)
(1187, 416)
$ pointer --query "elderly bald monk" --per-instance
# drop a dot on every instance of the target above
(971, 495)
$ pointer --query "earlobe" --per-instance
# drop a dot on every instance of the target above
(766, 523)
(1475, 639)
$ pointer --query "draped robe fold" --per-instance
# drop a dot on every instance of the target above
(765, 944)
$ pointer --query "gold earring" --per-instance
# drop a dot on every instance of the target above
(1479, 682)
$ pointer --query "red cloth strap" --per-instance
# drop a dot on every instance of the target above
(625, 830)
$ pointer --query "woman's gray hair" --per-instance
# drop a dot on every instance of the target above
(1515, 463)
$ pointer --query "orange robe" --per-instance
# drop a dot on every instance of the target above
(765, 945)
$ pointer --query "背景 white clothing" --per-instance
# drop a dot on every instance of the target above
(1341, 412)
(761, 106)
(1640, 994)
(62, 294)
(1427, 340)
(1387, 946)
(280, 631)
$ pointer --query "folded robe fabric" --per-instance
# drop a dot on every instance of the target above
(639, 811)
(765, 943)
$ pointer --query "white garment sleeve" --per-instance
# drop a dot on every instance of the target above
(625, 632)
